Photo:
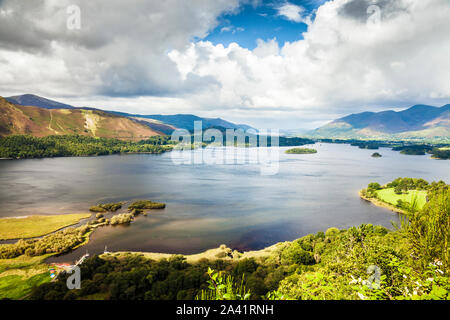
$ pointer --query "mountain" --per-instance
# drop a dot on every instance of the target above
(419, 121)
(36, 101)
(165, 124)
(39, 122)
(186, 121)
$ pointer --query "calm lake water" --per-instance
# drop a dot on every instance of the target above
(209, 205)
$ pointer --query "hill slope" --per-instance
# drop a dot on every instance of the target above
(39, 122)
(419, 121)
(161, 123)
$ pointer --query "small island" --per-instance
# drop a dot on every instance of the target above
(301, 151)
(376, 155)
(441, 153)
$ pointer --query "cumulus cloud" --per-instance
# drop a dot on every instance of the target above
(343, 65)
(145, 56)
(292, 12)
(120, 50)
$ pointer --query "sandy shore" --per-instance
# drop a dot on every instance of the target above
(21, 217)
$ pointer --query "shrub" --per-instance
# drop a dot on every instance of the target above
(295, 254)
(97, 209)
(331, 232)
(123, 218)
(222, 287)
(428, 230)
(374, 186)
(112, 207)
(146, 204)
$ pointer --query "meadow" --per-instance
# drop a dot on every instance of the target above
(37, 226)
(389, 196)
(20, 275)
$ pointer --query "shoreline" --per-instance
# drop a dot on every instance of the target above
(381, 204)
(221, 253)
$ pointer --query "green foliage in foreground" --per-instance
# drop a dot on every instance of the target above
(20, 147)
(366, 262)
(15, 287)
(222, 287)
(301, 151)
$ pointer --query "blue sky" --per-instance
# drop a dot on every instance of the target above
(262, 21)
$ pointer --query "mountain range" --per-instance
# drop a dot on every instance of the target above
(31, 114)
(419, 121)
(164, 124)
(40, 122)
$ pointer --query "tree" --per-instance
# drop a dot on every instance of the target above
(428, 230)
(374, 186)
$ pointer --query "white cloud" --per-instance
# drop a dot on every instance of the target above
(343, 65)
(292, 12)
(231, 29)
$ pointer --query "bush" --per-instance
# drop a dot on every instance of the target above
(102, 208)
(374, 186)
(97, 209)
(111, 207)
(331, 232)
(295, 254)
(146, 204)
(123, 218)
(428, 230)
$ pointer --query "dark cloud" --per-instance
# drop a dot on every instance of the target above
(121, 47)
(357, 9)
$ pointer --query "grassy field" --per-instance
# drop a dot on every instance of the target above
(36, 226)
(16, 287)
(19, 275)
(389, 196)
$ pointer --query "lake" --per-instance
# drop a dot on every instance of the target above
(209, 205)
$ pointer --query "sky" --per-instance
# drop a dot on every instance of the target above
(270, 64)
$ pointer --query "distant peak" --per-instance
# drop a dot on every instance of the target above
(420, 107)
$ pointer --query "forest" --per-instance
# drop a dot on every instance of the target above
(21, 147)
